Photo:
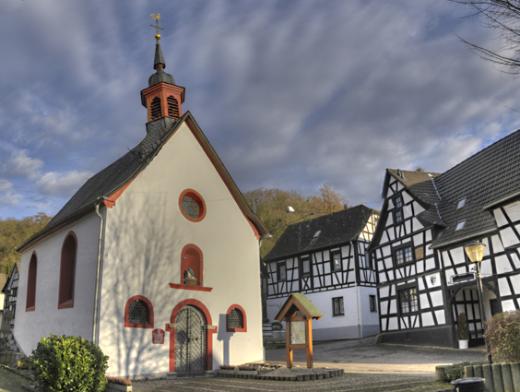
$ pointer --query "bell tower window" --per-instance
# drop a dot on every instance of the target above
(155, 108)
(173, 107)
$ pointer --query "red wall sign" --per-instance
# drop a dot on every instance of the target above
(158, 336)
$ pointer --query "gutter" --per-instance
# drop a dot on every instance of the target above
(101, 250)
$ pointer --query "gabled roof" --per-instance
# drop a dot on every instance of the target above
(419, 183)
(489, 177)
(119, 173)
(326, 231)
(298, 302)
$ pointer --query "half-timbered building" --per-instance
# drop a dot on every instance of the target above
(326, 258)
(425, 279)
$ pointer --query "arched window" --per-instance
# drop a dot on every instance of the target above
(236, 319)
(31, 284)
(173, 107)
(138, 312)
(191, 265)
(155, 108)
(67, 272)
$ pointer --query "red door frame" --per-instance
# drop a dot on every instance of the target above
(210, 330)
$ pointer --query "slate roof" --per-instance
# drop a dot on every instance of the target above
(124, 169)
(335, 229)
(419, 183)
(490, 176)
(485, 178)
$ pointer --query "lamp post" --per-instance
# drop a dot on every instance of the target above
(475, 252)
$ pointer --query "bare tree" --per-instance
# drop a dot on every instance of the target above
(503, 16)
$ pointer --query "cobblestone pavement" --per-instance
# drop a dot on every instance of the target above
(368, 367)
(363, 355)
(347, 383)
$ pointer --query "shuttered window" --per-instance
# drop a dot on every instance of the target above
(173, 107)
(156, 108)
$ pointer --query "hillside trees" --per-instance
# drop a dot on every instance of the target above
(271, 207)
(13, 232)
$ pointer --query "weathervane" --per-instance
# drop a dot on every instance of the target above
(156, 25)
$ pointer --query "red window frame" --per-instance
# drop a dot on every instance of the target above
(244, 318)
(150, 323)
(192, 257)
(69, 252)
(30, 303)
(200, 201)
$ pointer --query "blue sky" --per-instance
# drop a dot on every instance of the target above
(292, 94)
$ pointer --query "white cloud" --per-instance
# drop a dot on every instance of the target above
(62, 183)
(21, 164)
(7, 194)
(291, 94)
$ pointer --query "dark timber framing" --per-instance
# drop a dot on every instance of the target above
(489, 184)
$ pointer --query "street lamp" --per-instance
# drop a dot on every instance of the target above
(475, 252)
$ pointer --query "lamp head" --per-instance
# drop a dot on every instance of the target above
(475, 251)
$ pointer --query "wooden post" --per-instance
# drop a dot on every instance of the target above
(288, 343)
(308, 339)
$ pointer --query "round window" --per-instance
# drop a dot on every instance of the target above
(192, 205)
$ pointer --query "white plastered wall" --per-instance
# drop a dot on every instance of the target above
(47, 319)
(145, 234)
(357, 321)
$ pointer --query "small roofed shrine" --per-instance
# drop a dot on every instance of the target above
(298, 312)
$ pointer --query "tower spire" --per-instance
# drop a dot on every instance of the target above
(158, 62)
(162, 98)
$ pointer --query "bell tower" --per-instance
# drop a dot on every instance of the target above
(162, 98)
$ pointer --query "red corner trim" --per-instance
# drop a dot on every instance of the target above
(149, 324)
(209, 334)
(110, 201)
(196, 195)
(255, 230)
(244, 318)
(181, 286)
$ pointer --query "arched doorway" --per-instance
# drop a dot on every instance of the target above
(191, 338)
(190, 342)
(464, 298)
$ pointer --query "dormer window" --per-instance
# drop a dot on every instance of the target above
(461, 203)
(460, 225)
(316, 234)
(398, 209)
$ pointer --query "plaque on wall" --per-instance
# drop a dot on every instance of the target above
(297, 332)
(158, 336)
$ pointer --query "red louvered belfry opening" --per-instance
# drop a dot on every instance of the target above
(155, 108)
(173, 107)
(31, 283)
(67, 272)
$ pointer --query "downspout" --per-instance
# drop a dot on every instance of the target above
(101, 248)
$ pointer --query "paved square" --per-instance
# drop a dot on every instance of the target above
(369, 367)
